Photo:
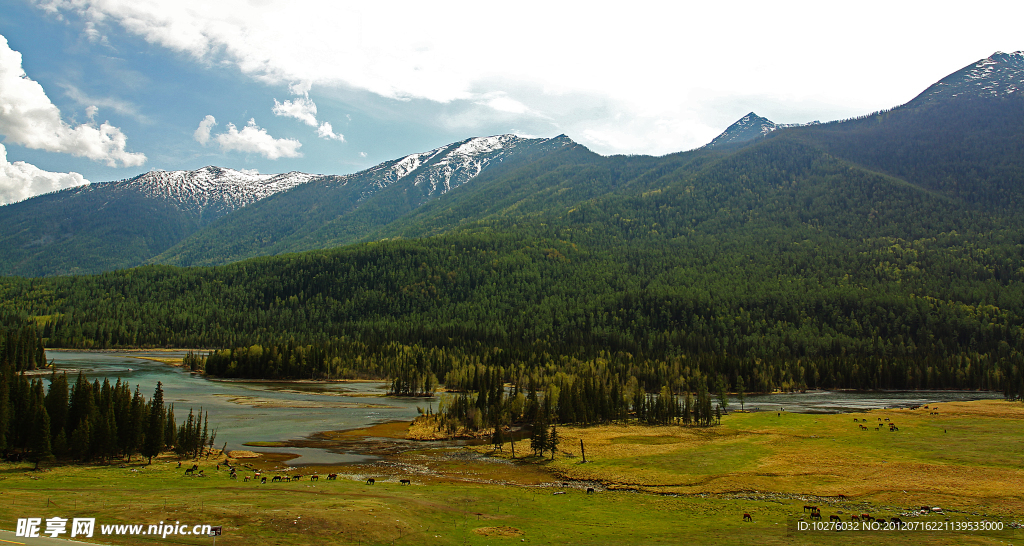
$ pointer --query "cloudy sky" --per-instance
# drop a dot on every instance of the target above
(98, 90)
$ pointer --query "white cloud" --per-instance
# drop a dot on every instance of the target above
(302, 109)
(202, 134)
(28, 118)
(503, 103)
(326, 131)
(20, 180)
(254, 139)
(661, 64)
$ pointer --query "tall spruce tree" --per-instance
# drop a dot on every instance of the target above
(154, 440)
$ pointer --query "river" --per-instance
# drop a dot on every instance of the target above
(260, 411)
(252, 411)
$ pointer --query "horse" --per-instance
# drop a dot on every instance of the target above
(746, 517)
(854, 518)
(263, 479)
(370, 481)
(246, 478)
(276, 479)
(816, 514)
(866, 517)
(314, 478)
(834, 517)
(332, 476)
(809, 507)
(297, 478)
(189, 472)
(590, 490)
(897, 521)
(405, 482)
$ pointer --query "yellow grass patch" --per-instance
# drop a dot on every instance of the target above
(503, 531)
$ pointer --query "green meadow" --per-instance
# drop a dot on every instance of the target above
(653, 485)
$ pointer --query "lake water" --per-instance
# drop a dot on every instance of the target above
(251, 411)
(244, 411)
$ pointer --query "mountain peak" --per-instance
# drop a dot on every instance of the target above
(747, 128)
(209, 189)
(999, 74)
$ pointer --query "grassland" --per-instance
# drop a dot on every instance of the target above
(654, 485)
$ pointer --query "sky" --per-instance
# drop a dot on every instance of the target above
(100, 90)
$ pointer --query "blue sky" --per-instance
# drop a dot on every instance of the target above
(98, 90)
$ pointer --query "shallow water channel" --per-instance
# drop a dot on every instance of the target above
(252, 411)
(260, 411)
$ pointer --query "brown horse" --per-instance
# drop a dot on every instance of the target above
(834, 517)
(332, 476)
(811, 508)
(816, 514)
(746, 517)
(405, 482)
(370, 481)
(590, 490)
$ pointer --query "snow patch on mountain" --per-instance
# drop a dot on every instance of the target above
(442, 169)
(210, 189)
(997, 75)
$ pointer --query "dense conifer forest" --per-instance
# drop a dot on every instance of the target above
(82, 421)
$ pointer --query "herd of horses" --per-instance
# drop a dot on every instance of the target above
(258, 476)
(881, 424)
(816, 514)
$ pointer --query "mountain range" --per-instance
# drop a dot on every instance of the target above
(960, 139)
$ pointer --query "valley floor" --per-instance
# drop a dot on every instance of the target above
(652, 485)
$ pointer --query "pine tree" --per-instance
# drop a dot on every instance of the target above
(553, 441)
(154, 440)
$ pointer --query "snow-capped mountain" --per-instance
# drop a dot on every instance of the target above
(997, 75)
(209, 191)
(442, 169)
(336, 210)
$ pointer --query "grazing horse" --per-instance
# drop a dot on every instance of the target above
(811, 508)
(897, 521)
(590, 490)
(276, 479)
(314, 478)
(867, 517)
(834, 517)
(189, 472)
(234, 476)
(370, 481)
(297, 478)
(855, 420)
(746, 517)
(854, 518)
(816, 514)
(263, 479)
(332, 476)
(405, 482)
(246, 478)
